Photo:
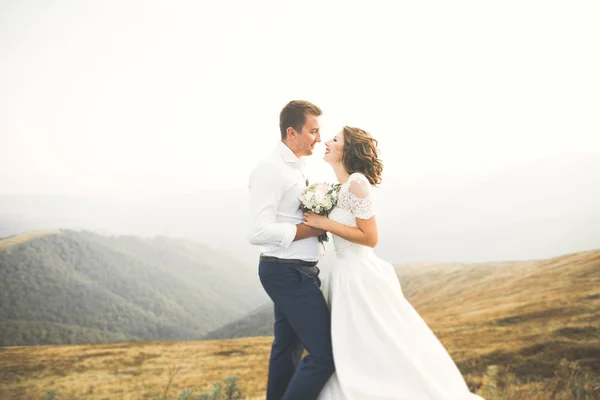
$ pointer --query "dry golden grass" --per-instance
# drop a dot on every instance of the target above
(524, 316)
(131, 370)
(13, 240)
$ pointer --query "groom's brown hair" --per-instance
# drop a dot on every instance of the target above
(294, 115)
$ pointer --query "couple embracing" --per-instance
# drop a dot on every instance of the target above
(363, 338)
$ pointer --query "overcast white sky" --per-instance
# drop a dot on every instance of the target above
(129, 98)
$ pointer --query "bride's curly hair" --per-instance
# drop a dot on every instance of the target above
(361, 154)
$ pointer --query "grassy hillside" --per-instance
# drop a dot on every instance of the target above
(527, 316)
(538, 320)
(17, 239)
(257, 323)
(79, 287)
(130, 371)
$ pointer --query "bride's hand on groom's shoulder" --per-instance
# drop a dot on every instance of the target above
(314, 220)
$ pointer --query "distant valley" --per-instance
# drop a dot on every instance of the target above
(70, 287)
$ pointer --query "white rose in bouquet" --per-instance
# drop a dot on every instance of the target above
(320, 198)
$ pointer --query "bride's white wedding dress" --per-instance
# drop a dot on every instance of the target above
(382, 348)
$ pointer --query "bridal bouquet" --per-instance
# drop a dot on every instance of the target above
(320, 198)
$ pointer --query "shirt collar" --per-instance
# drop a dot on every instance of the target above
(288, 155)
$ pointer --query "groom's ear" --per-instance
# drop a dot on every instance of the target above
(290, 132)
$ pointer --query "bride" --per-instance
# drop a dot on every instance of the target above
(382, 348)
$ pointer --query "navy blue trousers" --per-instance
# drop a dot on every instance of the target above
(302, 320)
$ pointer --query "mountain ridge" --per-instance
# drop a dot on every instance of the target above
(117, 286)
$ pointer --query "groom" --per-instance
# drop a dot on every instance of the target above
(287, 267)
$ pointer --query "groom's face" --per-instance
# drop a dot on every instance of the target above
(309, 136)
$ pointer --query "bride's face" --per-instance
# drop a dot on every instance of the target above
(334, 149)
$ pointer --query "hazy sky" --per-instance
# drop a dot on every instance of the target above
(146, 97)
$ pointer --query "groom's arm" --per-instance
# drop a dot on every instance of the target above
(266, 191)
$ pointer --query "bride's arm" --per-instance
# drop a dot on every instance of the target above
(365, 232)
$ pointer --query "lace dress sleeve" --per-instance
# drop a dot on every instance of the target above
(361, 196)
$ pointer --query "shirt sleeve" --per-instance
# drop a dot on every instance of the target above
(266, 190)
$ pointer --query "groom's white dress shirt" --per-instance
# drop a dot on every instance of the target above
(275, 186)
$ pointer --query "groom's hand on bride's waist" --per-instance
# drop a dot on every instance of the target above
(303, 232)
